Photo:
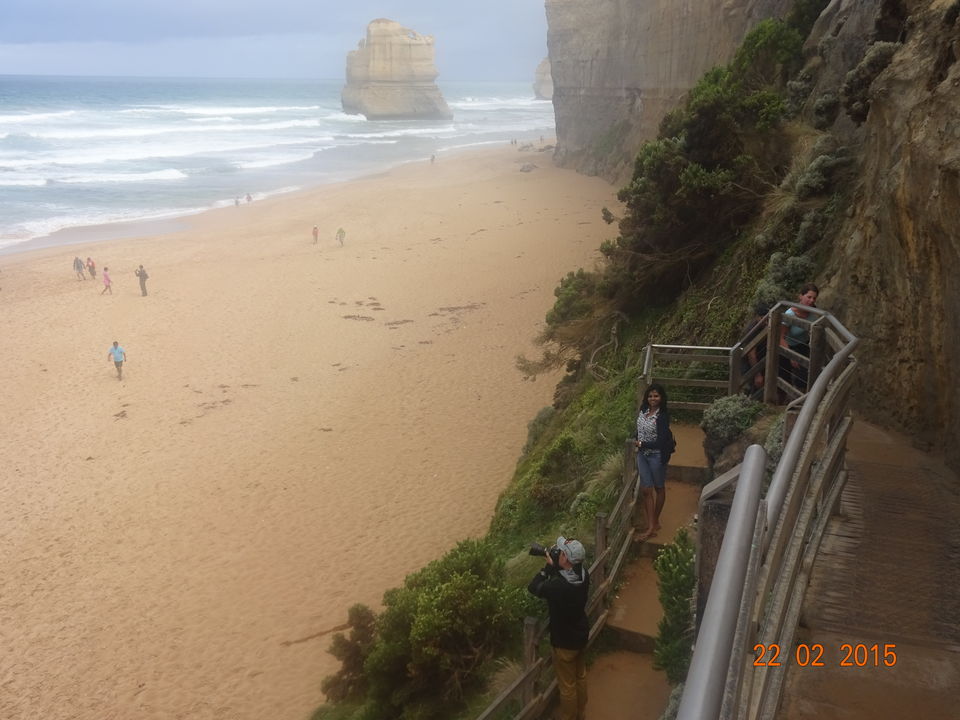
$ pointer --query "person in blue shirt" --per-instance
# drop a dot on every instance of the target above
(797, 338)
(118, 355)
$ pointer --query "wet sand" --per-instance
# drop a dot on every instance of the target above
(298, 426)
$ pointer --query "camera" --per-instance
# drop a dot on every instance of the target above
(540, 551)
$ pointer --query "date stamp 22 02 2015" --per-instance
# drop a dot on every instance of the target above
(852, 655)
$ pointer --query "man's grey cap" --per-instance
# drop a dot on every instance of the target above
(573, 549)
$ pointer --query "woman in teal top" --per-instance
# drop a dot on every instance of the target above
(797, 338)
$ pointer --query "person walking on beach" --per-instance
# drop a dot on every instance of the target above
(249, 198)
(316, 234)
(340, 236)
(78, 268)
(118, 355)
(107, 284)
(91, 267)
(142, 274)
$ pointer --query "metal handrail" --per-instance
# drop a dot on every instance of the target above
(718, 684)
(723, 605)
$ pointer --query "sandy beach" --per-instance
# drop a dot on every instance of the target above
(297, 428)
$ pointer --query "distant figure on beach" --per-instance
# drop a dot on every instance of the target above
(91, 267)
(433, 159)
(142, 274)
(107, 284)
(118, 355)
(541, 139)
(236, 201)
(340, 236)
(316, 234)
(78, 268)
(249, 199)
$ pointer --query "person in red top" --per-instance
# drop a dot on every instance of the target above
(91, 267)
(107, 283)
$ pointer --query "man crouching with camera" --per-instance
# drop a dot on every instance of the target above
(564, 583)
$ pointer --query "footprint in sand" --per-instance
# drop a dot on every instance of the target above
(294, 379)
(365, 318)
(120, 415)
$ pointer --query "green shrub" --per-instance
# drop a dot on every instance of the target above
(855, 91)
(675, 579)
(728, 417)
(825, 110)
(350, 682)
(785, 275)
(573, 297)
(817, 177)
(437, 632)
(560, 474)
(774, 442)
(537, 426)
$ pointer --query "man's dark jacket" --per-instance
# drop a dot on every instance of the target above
(569, 628)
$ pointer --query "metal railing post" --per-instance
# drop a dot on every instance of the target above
(772, 369)
(736, 376)
(703, 694)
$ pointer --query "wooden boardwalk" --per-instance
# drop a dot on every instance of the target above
(888, 574)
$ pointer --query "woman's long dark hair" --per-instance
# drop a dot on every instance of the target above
(663, 397)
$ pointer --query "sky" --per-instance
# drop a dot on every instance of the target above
(488, 40)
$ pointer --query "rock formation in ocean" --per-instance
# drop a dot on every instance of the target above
(391, 75)
(543, 81)
(619, 65)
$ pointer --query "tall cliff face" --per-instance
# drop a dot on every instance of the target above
(895, 270)
(391, 75)
(619, 66)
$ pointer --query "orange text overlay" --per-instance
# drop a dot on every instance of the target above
(852, 655)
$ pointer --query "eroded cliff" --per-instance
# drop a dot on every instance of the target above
(618, 66)
(881, 87)
(894, 272)
(391, 75)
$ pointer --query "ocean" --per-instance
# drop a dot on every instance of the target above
(76, 152)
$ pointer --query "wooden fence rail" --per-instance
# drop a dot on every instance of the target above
(534, 689)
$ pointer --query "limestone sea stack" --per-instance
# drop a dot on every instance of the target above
(543, 81)
(391, 75)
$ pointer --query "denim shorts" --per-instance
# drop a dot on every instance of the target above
(652, 472)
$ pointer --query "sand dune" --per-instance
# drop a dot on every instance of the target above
(298, 427)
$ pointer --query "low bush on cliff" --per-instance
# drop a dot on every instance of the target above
(675, 578)
(434, 639)
(692, 190)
